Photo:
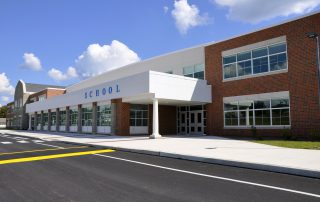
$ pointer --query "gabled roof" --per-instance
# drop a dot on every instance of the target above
(32, 87)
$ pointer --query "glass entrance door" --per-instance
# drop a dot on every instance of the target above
(196, 125)
(183, 123)
(191, 120)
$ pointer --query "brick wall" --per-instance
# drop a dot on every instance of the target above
(54, 92)
(167, 120)
(48, 93)
(122, 127)
(300, 81)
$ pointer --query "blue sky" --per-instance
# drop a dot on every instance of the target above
(61, 42)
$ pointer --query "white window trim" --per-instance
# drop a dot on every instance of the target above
(255, 97)
(253, 47)
(135, 117)
(108, 104)
(257, 45)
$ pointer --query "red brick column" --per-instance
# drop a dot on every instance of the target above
(122, 127)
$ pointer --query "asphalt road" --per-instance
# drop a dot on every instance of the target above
(35, 170)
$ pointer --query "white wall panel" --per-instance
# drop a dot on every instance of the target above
(162, 85)
(138, 130)
(174, 61)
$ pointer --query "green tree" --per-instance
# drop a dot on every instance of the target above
(3, 112)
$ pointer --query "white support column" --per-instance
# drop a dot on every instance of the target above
(30, 117)
(155, 124)
(247, 117)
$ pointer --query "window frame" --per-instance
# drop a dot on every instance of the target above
(135, 118)
(107, 108)
(55, 119)
(73, 112)
(86, 111)
(62, 122)
(237, 77)
(45, 118)
(270, 109)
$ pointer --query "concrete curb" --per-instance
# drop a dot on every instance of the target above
(263, 167)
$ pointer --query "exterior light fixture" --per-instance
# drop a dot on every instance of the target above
(314, 35)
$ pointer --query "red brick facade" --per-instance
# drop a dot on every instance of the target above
(122, 126)
(49, 92)
(300, 80)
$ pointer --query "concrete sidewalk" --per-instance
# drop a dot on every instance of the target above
(210, 149)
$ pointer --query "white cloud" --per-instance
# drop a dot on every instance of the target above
(57, 75)
(5, 98)
(165, 9)
(187, 16)
(31, 62)
(5, 86)
(255, 11)
(98, 59)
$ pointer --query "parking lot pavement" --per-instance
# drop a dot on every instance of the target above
(58, 171)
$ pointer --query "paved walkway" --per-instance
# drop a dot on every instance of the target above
(210, 149)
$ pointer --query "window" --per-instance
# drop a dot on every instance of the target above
(280, 112)
(45, 119)
(139, 115)
(104, 115)
(195, 71)
(231, 114)
(262, 112)
(265, 59)
(260, 65)
(62, 118)
(230, 66)
(244, 63)
(38, 117)
(73, 113)
(278, 62)
(53, 118)
(42, 98)
(87, 116)
(269, 112)
(246, 113)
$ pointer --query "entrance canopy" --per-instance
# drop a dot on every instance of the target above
(168, 89)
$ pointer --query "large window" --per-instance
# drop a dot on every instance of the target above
(195, 71)
(104, 115)
(45, 119)
(139, 115)
(53, 118)
(268, 112)
(264, 59)
(62, 118)
(73, 113)
(87, 116)
(38, 117)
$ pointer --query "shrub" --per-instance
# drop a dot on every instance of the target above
(287, 134)
(315, 134)
(255, 135)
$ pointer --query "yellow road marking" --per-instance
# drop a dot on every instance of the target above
(40, 150)
(54, 156)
